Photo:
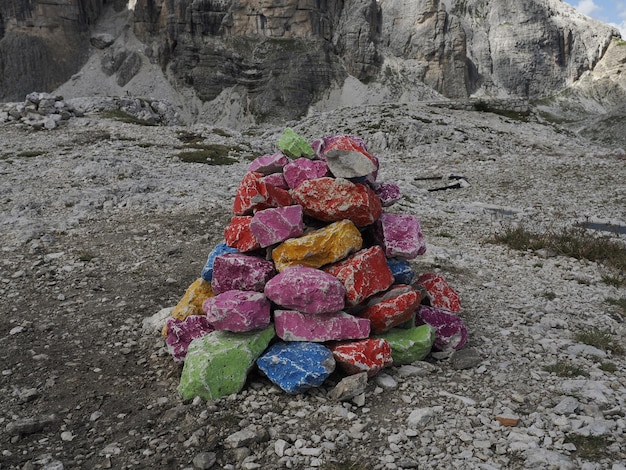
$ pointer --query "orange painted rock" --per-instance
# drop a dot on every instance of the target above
(363, 274)
(255, 194)
(392, 308)
(238, 234)
(367, 355)
(333, 199)
(191, 302)
(319, 247)
(439, 291)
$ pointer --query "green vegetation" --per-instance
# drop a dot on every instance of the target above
(122, 116)
(608, 367)
(549, 295)
(30, 153)
(485, 107)
(615, 280)
(212, 154)
(566, 369)
(343, 466)
(621, 303)
(598, 338)
(85, 256)
(189, 138)
(590, 447)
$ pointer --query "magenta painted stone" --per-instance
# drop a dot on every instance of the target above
(399, 235)
(306, 289)
(277, 180)
(439, 292)
(450, 328)
(389, 193)
(268, 164)
(272, 226)
(292, 325)
(237, 311)
(180, 333)
(236, 271)
(303, 169)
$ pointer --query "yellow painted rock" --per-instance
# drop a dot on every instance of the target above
(191, 303)
(324, 246)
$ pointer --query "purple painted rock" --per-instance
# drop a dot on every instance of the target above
(238, 311)
(297, 326)
(303, 169)
(400, 236)
(272, 226)
(389, 193)
(451, 330)
(307, 290)
(367, 355)
(237, 271)
(180, 334)
(277, 180)
(220, 249)
(268, 164)
(440, 293)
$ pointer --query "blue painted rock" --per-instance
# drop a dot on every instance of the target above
(292, 325)
(440, 293)
(401, 270)
(298, 366)
(271, 226)
(367, 355)
(400, 235)
(451, 330)
(180, 334)
(307, 290)
(237, 271)
(238, 311)
(269, 164)
(220, 249)
(303, 169)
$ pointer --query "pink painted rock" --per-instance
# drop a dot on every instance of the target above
(347, 156)
(306, 289)
(389, 193)
(238, 311)
(292, 325)
(400, 235)
(303, 169)
(450, 328)
(253, 194)
(367, 355)
(439, 291)
(333, 199)
(236, 271)
(180, 334)
(277, 180)
(238, 234)
(363, 274)
(268, 164)
(272, 226)
(392, 308)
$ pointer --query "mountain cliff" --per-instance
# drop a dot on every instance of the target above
(274, 59)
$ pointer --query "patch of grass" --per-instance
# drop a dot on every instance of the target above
(222, 132)
(445, 235)
(91, 137)
(549, 295)
(600, 339)
(485, 107)
(615, 280)
(122, 116)
(85, 256)
(590, 447)
(213, 154)
(30, 153)
(566, 369)
(608, 367)
(575, 242)
(189, 138)
(621, 303)
(343, 466)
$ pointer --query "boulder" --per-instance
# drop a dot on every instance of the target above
(238, 311)
(271, 226)
(307, 290)
(292, 325)
(363, 274)
(237, 271)
(269, 164)
(319, 247)
(347, 157)
(304, 169)
(369, 355)
(191, 302)
(217, 364)
(298, 366)
(409, 345)
(254, 194)
(276, 179)
(332, 199)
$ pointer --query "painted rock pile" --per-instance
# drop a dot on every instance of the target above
(313, 276)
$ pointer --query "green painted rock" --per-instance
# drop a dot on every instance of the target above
(409, 345)
(217, 364)
(293, 145)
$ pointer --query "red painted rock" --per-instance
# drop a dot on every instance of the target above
(363, 274)
(236, 271)
(333, 199)
(439, 291)
(277, 180)
(303, 169)
(367, 355)
(238, 311)
(307, 290)
(400, 235)
(391, 308)
(272, 226)
(238, 234)
(347, 156)
(451, 330)
(292, 325)
(268, 164)
(254, 194)
(180, 334)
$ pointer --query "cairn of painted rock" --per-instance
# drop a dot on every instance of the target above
(313, 278)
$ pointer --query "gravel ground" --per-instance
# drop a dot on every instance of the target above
(101, 227)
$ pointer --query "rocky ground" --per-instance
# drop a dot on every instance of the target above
(102, 226)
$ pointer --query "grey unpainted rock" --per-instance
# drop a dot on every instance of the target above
(349, 387)
(204, 460)
(250, 435)
(30, 425)
(465, 358)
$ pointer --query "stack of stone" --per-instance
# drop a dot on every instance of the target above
(313, 276)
